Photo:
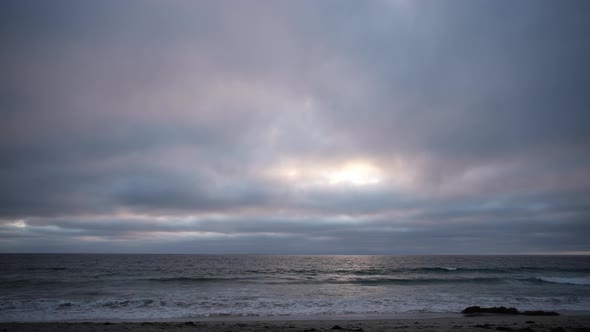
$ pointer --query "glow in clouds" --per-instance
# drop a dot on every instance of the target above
(358, 174)
(20, 223)
(355, 173)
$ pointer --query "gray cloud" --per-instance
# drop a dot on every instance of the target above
(127, 124)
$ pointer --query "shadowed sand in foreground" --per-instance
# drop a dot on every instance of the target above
(477, 323)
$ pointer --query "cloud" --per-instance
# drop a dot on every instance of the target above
(336, 127)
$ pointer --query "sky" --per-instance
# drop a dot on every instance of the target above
(295, 127)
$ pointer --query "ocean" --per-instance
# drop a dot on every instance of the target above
(73, 287)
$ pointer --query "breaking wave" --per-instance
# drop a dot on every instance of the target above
(568, 281)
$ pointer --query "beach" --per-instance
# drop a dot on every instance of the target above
(576, 323)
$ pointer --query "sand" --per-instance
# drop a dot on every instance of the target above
(476, 323)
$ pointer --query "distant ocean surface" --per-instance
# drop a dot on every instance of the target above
(50, 287)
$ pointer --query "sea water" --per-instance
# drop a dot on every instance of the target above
(67, 287)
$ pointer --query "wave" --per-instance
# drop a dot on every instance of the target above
(554, 269)
(407, 281)
(378, 280)
(419, 281)
(193, 279)
(22, 283)
(47, 268)
(131, 303)
(567, 281)
(440, 269)
(502, 270)
(481, 280)
(374, 271)
(422, 270)
(402, 270)
(448, 268)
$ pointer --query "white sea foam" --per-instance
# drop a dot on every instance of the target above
(570, 281)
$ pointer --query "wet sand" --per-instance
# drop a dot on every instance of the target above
(476, 323)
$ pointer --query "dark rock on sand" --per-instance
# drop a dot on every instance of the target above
(492, 310)
(506, 311)
(539, 313)
(190, 324)
(484, 326)
(337, 327)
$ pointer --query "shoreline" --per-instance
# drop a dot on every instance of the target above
(348, 317)
(335, 317)
(577, 323)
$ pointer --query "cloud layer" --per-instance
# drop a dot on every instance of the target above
(295, 127)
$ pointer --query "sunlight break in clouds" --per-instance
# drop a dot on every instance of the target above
(20, 223)
(356, 174)
(352, 173)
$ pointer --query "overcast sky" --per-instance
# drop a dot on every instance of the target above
(352, 127)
